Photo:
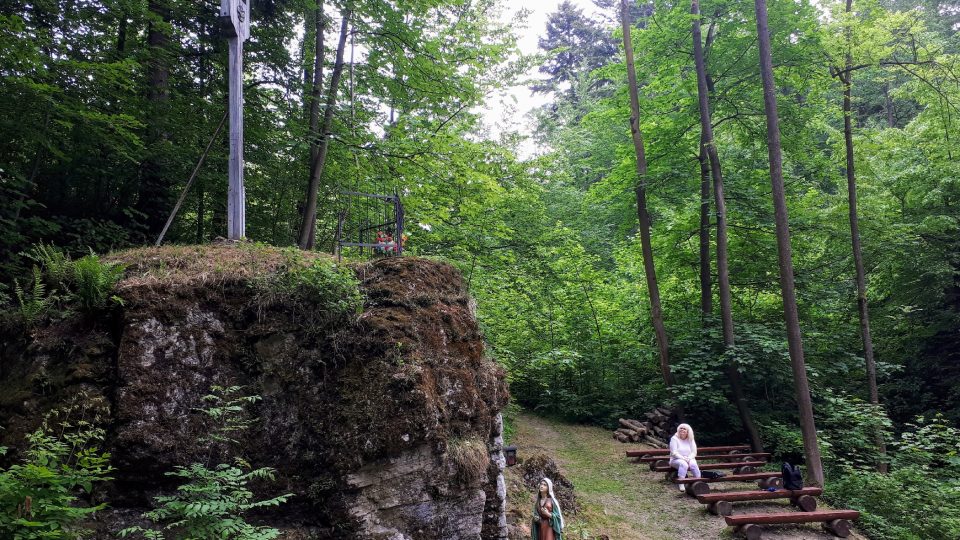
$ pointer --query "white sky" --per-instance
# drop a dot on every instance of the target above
(507, 110)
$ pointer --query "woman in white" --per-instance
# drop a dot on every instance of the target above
(683, 452)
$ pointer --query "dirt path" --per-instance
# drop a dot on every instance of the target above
(626, 501)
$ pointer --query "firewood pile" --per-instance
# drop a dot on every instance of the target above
(654, 430)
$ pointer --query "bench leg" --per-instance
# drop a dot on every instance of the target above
(747, 469)
(698, 488)
(770, 482)
(752, 531)
(804, 502)
(838, 527)
(657, 463)
(720, 508)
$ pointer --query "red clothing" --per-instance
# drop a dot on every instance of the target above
(545, 530)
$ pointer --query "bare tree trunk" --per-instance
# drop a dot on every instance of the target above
(723, 269)
(785, 256)
(863, 309)
(706, 286)
(307, 234)
(644, 217)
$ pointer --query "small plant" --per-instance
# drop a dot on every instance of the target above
(38, 497)
(325, 292)
(55, 264)
(35, 301)
(211, 501)
(87, 281)
(93, 280)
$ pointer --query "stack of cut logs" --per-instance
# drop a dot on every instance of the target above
(654, 431)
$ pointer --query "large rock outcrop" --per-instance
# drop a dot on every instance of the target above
(384, 427)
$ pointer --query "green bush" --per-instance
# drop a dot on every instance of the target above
(923, 482)
(211, 501)
(322, 291)
(39, 497)
(890, 504)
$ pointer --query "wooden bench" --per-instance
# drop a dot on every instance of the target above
(738, 455)
(720, 503)
(704, 450)
(738, 467)
(835, 521)
(656, 461)
(701, 486)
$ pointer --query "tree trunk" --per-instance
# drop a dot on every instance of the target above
(863, 309)
(723, 269)
(888, 105)
(706, 286)
(307, 233)
(644, 217)
(313, 102)
(785, 256)
(154, 194)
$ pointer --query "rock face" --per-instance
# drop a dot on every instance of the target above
(386, 427)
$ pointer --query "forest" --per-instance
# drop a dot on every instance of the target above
(603, 287)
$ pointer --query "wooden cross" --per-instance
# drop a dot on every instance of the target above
(235, 22)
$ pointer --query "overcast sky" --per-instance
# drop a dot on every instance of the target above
(507, 111)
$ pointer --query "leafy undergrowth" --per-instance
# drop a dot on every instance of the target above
(620, 499)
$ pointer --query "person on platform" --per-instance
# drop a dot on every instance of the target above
(547, 518)
(683, 453)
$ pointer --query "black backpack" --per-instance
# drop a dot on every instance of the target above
(792, 478)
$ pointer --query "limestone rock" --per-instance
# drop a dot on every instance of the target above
(360, 419)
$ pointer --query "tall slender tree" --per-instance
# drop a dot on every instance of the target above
(709, 147)
(846, 78)
(656, 313)
(784, 253)
(706, 278)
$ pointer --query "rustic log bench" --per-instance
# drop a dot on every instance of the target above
(720, 503)
(700, 486)
(656, 461)
(836, 522)
(738, 455)
(739, 467)
(704, 450)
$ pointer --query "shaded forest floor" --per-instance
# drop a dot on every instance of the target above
(624, 500)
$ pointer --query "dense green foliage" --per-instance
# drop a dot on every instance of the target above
(211, 501)
(58, 281)
(39, 496)
(924, 479)
(547, 244)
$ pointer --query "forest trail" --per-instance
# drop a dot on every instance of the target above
(624, 500)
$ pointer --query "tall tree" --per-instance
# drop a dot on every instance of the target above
(846, 78)
(656, 313)
(709, 146)
(706, 279)
(784, 253)
(319, 156)
(578, 45)
(155, 197)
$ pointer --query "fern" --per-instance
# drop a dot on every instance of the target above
(93, 281)
(211, 501)
(35, 302)
(55, 264)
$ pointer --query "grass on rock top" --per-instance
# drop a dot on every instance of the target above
(207, 264)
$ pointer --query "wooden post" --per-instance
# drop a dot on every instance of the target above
(235, 22)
